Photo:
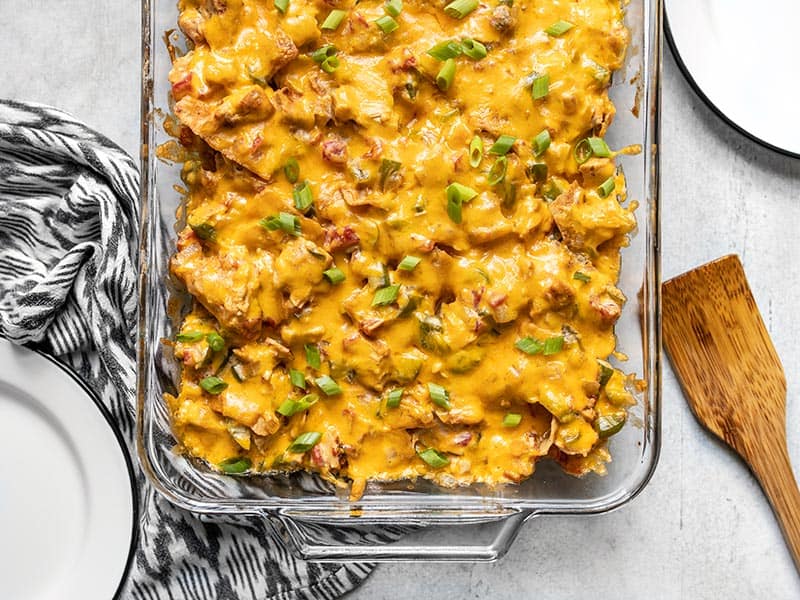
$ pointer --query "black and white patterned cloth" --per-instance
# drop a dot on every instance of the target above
(68, 243)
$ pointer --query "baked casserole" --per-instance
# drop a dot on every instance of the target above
(401, 235)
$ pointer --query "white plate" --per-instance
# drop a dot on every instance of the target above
(66, 486)
(740, 57)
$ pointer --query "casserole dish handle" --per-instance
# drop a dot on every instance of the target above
(450, 541)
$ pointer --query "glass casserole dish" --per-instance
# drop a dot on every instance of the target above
(469, 523)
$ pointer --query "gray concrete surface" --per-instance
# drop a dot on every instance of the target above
(702, 529)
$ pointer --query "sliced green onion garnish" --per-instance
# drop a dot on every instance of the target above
(473, 49)
(606, 371)
(457, 194)
(386, 295)
(190, 337)
(297, 378)
(393, 398)
(460, 8)
(553, 345)
(529, 345)
(582, 151)
(330, 64)
(439, 395)
(335, 275)
(291, 406)
(536, 172)
(581, 277)
(608, 425)
(498, 171)
(303, 196)
(205, 231)
(312, 356)
(215, 341)
(387, 24)
(328, 385)
(235, 465)
(512, 420)
(292, 170)
(502, 145)
(434, 458)
(559, 28)
(599, 147)
(333, 20)
(540, 87)
(541, 143)
(446, 74)
(475, 152)
(282, 5)
(386, 170)
(320, 54)
(213, 385)
(607, 187)
(444, 50)
(552, 190)
(286, 222)
(409, 263)
(304, 442)
(393, 7)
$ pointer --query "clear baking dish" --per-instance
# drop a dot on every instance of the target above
(471, 523)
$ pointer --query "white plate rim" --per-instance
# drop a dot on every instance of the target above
(710, 103)
(107, 417)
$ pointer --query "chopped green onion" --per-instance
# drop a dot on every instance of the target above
(190, 337)
(292, 170)
(304, 442)
(581, 277)
(439, 395)
(386, 170)
(213, 385)
(297, 378)
(582, 151)
(320, 54)
(333, 20)
(498, 171)
(536, 172)
(235, 465)
(328, 385)
(282, 5)
(607, 187)
(409, 263)
(215, 341)
(475, 152)
(446, 74)
(312, 356)
(541, 143)
(553, 345)
(387, 24)
(290, 406)
(457, 194)
(334, 275)
(386, 295)
(540, 87)
(552, 190)
(330, 64)
(608, 425)
(599, 147)
(460, 8)
(283, 221)
(502, 145)
(303, 196)
(606, 371)
(393, 398)
(434, 458)
(529, 345)
(559, 28)
(445, 50)
(473, 49)
(205, 231)
(512, 420)
(393, 7)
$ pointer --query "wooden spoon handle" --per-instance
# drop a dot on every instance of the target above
(774, 470)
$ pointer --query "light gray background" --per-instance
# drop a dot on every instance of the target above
(701, 529)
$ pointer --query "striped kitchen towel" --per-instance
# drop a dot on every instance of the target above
(68, 243)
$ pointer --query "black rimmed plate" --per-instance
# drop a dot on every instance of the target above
(740, 58)
(67, 496)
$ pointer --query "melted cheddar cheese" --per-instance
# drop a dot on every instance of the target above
(356, 313)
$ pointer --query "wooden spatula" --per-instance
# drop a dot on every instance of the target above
(733, 377)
